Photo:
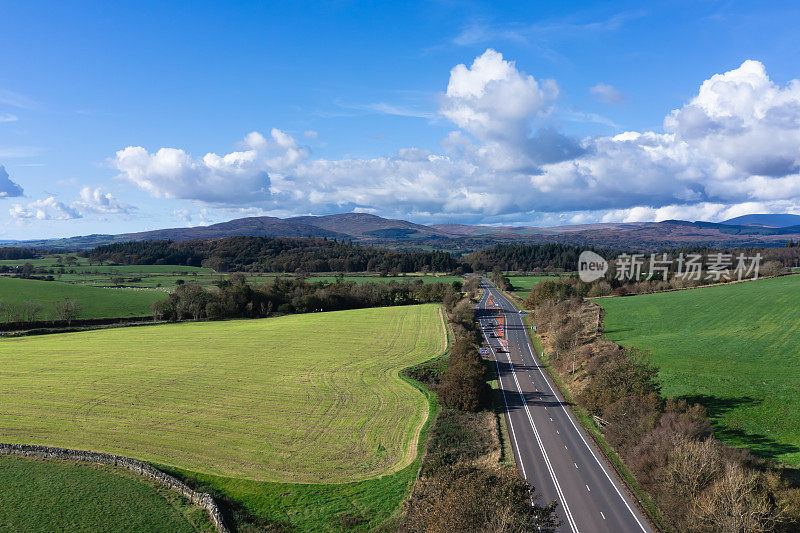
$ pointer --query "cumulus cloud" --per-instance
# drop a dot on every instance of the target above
(7, 187)
(237, 177)
(47, 209)
(608, 94)
(100, 202)
(734, 144)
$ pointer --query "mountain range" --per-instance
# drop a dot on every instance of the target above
(748, 230)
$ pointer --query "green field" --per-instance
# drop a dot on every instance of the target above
(733, 348)
(400, 279)
(44, 496)
(95, 302)
(523, 284)
(307, 398)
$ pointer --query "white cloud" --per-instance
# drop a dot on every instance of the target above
(310, 134)
(196, 218)
(734, 144)
(492, 100)
(47, 209)
(607, 94)
(99, 202)
(8, 117)
(7, 187)
(17, 100)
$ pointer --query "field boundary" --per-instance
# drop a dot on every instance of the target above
(201, 499)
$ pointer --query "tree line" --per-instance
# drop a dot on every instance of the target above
(275, 254)
(462, 486)
(235, 297)
(697, 483)
(67, 310)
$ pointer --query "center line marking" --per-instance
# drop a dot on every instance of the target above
(601, 514)
(587, 488)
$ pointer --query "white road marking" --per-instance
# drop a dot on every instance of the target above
(587, 488)
(576, 465)
(550, 469)
(601, 514)
(591, 450)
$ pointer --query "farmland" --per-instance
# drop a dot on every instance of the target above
(313, 398)
(63, 496)
(733, 348)
(95, 302)
(523, 284)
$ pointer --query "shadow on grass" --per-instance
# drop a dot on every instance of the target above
(760, 445)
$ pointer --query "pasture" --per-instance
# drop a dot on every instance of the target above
(44, 496)
(312, 398)
(409, 278)
(523, 284)
(95, 302)
(733, 348)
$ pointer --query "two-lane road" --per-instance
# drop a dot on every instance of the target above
(551, 449)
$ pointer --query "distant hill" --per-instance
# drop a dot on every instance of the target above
(240, 227)
(368, 227)
(463, 238)
(767, 220)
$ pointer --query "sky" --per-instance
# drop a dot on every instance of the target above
(122, 117)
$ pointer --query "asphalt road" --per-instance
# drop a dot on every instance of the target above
(551, 449)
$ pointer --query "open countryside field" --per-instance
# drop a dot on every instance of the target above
(410, 278)
(733, 348)
(44, 496)
(304, 398)
(524, 284)
(95, 302)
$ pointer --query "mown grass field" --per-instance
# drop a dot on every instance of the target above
(524, 284)
(733, 348)
(95, 302)
(45, 496)
(312, 398)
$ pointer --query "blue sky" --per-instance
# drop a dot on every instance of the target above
(363, 106)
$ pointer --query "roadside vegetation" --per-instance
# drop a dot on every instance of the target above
(44, 496)
(734, 349)
(667, 442)
(463, 486)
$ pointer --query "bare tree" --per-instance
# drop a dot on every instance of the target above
(29, 310)
(67, 309)
(736, 503)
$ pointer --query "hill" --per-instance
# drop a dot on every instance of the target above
(758, 230)
(240, 227)
(771, 221)
(367, 227)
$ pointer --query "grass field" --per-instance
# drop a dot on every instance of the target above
(312, 398)
(95, 302)
(733, 348)
(400, 279)
(524, 284)
(44, 496)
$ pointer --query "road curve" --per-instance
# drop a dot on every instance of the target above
(551, 449)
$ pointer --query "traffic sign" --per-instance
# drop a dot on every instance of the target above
(484, 350)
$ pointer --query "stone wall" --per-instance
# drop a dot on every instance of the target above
(201, 499)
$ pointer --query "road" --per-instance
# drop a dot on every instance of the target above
(551, 449)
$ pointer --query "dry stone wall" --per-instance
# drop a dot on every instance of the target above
(200, 499)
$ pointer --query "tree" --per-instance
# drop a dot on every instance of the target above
(29, 309)
(67, 309)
